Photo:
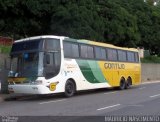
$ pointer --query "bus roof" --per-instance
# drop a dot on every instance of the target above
(106, 45)
(40, 37)
(77, 40)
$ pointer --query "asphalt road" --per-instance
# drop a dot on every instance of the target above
(139, 100)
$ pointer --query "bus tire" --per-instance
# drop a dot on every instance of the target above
(128, 83)
(122, 84)
(69, 88)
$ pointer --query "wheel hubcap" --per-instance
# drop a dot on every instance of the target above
(69, 88)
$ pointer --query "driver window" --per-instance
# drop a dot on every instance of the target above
(50, 68)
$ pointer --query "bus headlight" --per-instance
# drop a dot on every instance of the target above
(37, 82)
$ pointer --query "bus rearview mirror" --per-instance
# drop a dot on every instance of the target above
(47, 59)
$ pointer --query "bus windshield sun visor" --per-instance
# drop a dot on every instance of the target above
(33, 45)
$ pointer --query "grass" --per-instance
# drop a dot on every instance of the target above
(151, 59)
(5, 49)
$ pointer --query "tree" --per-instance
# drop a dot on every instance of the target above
(128, 23)
(78, 20)
(121, 26)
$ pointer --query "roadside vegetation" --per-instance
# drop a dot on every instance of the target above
(151, 59)
(5, 49)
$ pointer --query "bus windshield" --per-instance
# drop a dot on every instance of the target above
(25, 65)
(40, 57)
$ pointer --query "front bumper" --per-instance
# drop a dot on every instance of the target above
(29, 89)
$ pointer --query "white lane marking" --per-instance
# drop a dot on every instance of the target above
(54, 101)
(110, 92)
(108, 107)
(157, 95)
(142, 88)
(136, 105)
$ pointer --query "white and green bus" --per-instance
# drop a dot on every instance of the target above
(56, 64)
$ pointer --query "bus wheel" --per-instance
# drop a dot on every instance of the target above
(122, 84)
(69, 88)
(128, 83)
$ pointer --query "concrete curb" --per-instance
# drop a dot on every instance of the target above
(150, 82)
(4, 96)
(1, 97)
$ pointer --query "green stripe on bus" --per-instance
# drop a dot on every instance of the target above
(86, 71)
(91, 71)
(96, 71)
(83, 41)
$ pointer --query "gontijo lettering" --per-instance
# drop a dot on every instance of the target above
(114, 66)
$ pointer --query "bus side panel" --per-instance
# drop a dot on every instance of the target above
(90, 74)
(114, 71)
(110, 72)
(91, 71)
(85, 73)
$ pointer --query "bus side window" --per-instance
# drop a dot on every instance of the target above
(100, 53)
(71, 50)
(130, 57)
(83, 50)
(136, 57)
(52, 44)
(122, 56)
(86, 51)
(49, 65)
(112, 54)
